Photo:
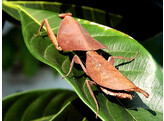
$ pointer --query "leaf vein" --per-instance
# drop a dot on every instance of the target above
(45, 51)
(109, 109)
(126, 109)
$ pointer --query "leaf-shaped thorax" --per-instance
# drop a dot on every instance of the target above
(105, 74)
(73, 37)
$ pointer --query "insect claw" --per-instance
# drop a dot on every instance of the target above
(96, 116)
(35, 35)
(131, 97)
(64, 76)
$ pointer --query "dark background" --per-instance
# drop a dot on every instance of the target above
(141, 19)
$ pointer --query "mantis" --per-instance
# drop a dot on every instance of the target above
(72, 36)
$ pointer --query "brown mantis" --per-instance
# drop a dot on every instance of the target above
(106, 76)
(73, 37)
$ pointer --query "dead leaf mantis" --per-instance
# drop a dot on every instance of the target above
(72, 36)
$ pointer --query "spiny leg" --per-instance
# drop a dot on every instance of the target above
(111, 61)
(111, 58)
(50, 34)
(89, 84)
(77, 60)
(121, 95)
(137, 89)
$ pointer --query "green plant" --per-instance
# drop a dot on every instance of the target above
(143, 71)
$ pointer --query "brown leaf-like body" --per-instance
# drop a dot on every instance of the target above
(105, 74)
(73, 37)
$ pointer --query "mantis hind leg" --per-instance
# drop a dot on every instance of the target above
(89, 84)
(111, 58)
(77, 60)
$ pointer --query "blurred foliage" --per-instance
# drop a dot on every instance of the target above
(15, 53)
(88, 13)
(45, 105)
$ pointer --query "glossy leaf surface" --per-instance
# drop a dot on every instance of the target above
(42, 105)
(143, 71)
(88, 13)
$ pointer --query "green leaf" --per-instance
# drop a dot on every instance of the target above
(143, 71)
(92, 14)
(42, 105)
(155, 46)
